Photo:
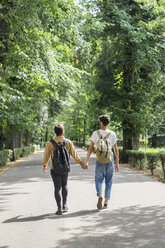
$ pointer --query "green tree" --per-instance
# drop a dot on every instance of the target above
(37, 62)
(129, 66)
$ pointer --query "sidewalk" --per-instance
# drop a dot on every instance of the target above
(135, 218)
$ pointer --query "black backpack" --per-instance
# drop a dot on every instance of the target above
(61, 157)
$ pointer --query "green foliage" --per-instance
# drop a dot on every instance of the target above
(153, 159)
(129, 69)
(8, 155)
(162, 158)
(160, 141)
(79, 114)
(27, 150)
(132, 158)
(52, 54)
(5, 156)
(143, 160)
(40, 61)
(17, 153)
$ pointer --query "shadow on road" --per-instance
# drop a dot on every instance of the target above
(126, 227)
(51, 216)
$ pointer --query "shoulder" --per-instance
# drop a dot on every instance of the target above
(94, 134)
(112, 133)
(49, 145)
(113, 137)
(68, 142)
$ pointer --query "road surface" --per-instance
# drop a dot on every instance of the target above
(135, 218)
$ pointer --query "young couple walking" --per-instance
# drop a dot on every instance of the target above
(105, 140)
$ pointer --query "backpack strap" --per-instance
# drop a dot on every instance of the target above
(65, 142)
(100, 137)
(98, 133)
(107, 149)
(108, 134)
(53, 142)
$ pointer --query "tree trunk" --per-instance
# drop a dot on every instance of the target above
(154, 141)
(18, 140)
(128, 78)
(9, 143)
(10, 140)
(127, 143)
(27, 138)
(135, 140)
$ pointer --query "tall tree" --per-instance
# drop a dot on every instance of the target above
(130, 63)
(37, 62)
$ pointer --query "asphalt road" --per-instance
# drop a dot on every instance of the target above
(135, 218)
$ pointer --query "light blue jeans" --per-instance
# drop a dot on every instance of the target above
(104, 171)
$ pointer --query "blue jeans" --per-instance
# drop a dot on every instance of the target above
(104, 171)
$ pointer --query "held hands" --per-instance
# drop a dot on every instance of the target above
(44, 169)
(84, 166)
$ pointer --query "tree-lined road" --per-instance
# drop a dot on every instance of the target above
(135, 218)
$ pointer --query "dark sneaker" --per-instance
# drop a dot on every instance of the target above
(65, 209)
(105, 206)
(99, 203)
(59, 211)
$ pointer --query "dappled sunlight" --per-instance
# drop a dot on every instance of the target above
(126, 227)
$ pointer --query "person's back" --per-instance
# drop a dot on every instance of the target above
(60, 178)
(104, 139)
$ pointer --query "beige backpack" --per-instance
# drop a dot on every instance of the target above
(103, 149)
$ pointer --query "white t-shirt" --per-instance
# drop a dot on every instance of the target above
(112, 137)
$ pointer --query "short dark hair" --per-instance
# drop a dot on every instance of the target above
(105, 119)
(58, 129)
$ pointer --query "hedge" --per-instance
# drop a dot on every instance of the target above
(137, 159)
(141, 159)
(162, 158)
(150, 159)
(7, 155)
(153, 160)
(17, 153)
(28, 150)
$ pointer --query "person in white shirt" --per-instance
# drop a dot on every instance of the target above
(104, 160)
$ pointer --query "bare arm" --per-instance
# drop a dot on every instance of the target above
(90, 149)
(116, 151)
(75, 156)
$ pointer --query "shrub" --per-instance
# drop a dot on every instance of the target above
(28, 150)
(36, 147)
(5, 156)
(162, 158)
(18, 152)
(132, 158)
(141, 160)
(153, 160)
